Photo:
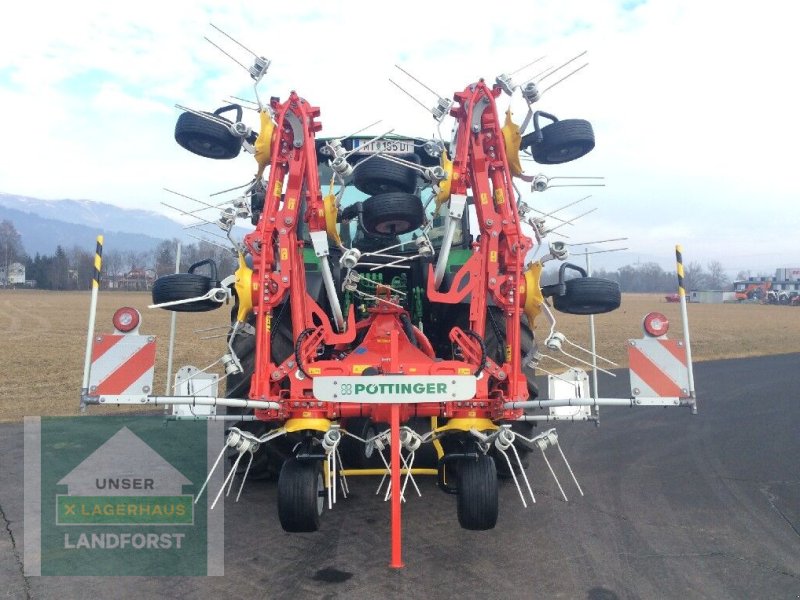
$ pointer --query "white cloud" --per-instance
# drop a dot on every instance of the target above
(692, 102)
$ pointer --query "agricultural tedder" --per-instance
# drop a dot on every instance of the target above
(385, 301)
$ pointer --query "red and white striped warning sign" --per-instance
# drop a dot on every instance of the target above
(122, 365)
(658, 368)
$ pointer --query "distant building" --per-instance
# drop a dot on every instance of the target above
(711, 296)
(781, 288)
(15, 275)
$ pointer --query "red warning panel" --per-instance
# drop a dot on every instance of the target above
(122, 365)
(658, 368)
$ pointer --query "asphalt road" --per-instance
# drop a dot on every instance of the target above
(676, 506)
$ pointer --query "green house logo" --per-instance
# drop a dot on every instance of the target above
(124, 482)
(115, 495)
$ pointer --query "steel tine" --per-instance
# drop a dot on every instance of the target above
(530, 64)
(409, 466)
(418, 81)
(514, 476)
(225, 483)
(550, 87)
(410, 96)
(553, 473)
(566, 462)
(246, 471)
(524, 475)
(598, 242)
(210, 473)
(342, 478)
(234, 40)
(226, 54)
(573, 59)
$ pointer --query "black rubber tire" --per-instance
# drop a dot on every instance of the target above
(181, 286)
(560, 142)
(495, 349)
(588, 296)
(299, 501)
(206, 138)
(478, 503)
(378, 176)
(269, 458)
(393, 213)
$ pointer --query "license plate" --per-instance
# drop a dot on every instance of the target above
(385, 146)
(395, 389)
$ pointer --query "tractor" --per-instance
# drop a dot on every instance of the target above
(385, 274)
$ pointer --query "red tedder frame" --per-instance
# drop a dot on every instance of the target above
(495, 270)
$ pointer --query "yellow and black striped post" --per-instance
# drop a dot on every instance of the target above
(87, 364)
(98, 262)
(685, 319)
(679, 260)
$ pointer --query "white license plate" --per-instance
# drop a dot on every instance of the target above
(395, 389)
(385, 146)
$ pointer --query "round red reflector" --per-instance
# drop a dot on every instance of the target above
(656, 324)
(126, 319)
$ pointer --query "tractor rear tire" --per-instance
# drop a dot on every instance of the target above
(378, 176)
(392, 213)
(269, 458)
(300, 496)
(207, 138)
(426, 456)
(182, 286)
(560, 142)
(355, 454)
(588, 296)
(478, 504)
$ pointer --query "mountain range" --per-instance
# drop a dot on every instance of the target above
(46, 224)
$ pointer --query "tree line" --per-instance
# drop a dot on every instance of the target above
(72, 269)
(651, 277)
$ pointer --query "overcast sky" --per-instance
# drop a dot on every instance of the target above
(693, 102)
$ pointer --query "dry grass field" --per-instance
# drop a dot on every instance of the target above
(44, 336)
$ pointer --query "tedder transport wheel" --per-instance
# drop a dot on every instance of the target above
(207, 138)
(377, 176)
(301, 495)
(392, 213)
(588, 296)
(477, 493)
(559, 142)
(183, 286)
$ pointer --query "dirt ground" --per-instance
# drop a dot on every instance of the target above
(44, 337)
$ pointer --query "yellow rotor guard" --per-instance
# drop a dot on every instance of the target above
(263, 143)
(533, 292)
(512, 139)
(466, 424)
(302, 423)
(444, 185)
(331, 214)
(244, 290)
